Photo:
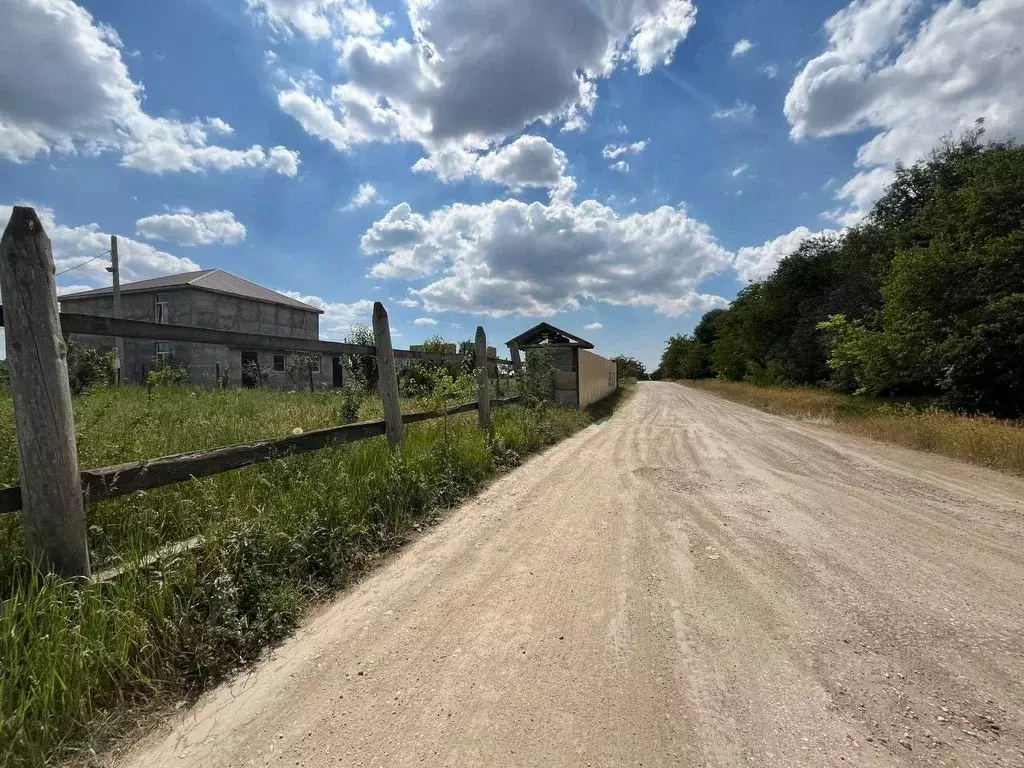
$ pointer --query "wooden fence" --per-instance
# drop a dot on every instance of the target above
(53, 490)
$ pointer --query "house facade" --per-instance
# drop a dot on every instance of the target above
(219, 300)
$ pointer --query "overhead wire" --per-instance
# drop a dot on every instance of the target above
(69, 269)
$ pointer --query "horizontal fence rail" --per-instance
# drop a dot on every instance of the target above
(123, 479)
(53, 489)
(94, 325)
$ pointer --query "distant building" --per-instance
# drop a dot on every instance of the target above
(211, 298)
(580, 376)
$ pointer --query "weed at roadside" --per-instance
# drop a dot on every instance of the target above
(912, 423)
(77, 660)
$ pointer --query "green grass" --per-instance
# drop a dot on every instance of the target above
(912, 423)
(80, 662)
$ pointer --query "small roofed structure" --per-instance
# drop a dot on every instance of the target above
(547, 335)
(580, 376)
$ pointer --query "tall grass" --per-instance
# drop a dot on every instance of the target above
(78, 661)
(913, 423)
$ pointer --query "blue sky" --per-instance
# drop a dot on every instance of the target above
(626, 164)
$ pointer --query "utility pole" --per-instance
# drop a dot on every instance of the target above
(115, 270)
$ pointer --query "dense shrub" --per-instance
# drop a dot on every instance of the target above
(89, 368)
(925, 297)
(166, 372)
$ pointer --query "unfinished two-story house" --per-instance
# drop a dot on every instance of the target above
(215, 299)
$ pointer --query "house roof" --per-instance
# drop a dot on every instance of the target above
(547, 335)
(215, 280)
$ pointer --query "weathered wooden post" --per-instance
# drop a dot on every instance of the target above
(517, 361)
(387, 376)
(483, 388)
(51, 488)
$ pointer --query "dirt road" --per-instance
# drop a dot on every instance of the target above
(691, 583)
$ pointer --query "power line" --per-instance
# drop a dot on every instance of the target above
(69, 269)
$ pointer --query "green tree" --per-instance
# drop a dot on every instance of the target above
(684, 358)
(363, 367)
(627, 367)
(951, 321)
(924, 297)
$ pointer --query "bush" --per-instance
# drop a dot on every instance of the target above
(166, 372)
(350, 398)
(416, 380)
(88, 367)
(299, 368)
(538, 378)
(363, 367)
(627, 367)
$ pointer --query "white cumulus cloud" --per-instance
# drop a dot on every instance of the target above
(529, 161)
(509, 257)
(75, 245)
(424, 321)
(66, 89)
(742, 46)
(757, 262)
(365, 195)
(593, 327)
(320, 18)
(474, 73)
(187, 227)
(612, 151)
(339, 316)
(910, 72)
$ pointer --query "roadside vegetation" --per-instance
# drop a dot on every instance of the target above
(912, 423)
(629, 368)
(925, 298)
(907, 323)
(82, 661)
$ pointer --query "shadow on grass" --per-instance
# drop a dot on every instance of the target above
(603, 410)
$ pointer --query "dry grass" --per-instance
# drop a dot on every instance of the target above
(914, 424)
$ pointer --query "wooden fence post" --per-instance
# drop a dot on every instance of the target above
(387, 377)
(51, 488)
(517, 361)
(483, 388)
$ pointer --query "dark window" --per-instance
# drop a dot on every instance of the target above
(316, 363)
(163, 350)
(161, 315)
(279, 362)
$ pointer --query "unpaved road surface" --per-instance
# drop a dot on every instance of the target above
(691, 583)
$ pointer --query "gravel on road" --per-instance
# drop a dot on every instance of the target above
(690, 583)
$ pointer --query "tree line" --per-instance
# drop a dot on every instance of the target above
(925, 297)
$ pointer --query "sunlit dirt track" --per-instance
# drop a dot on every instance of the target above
(692, 583)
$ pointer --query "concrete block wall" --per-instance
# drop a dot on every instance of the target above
(203, 309)
(280, 379)
(597, 378)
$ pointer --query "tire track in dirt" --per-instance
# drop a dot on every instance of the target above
(693, 583)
